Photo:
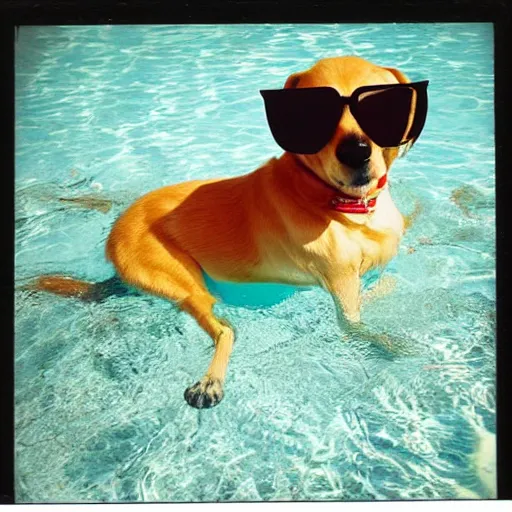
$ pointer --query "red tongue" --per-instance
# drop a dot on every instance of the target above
(382, 181)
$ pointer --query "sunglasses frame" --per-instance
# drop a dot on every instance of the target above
(353, 100)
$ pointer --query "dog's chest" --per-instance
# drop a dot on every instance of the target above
(331, 253)
(304, 254)
(365, 242)
(377, 249)
(380, 235)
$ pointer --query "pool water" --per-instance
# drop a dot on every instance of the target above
(309, 413)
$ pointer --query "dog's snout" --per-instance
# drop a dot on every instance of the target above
(353, 152)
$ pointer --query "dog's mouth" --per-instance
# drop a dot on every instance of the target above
(356, 191)
(361, 191)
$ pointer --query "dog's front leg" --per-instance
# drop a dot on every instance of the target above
(345, 289)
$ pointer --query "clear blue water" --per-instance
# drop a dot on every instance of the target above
(309, 414)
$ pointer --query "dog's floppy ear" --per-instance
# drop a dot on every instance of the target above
(402, 79)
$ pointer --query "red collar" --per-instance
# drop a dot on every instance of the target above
(347, 204)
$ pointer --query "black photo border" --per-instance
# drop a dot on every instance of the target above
(15, 13)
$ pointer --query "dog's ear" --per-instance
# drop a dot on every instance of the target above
(402, 79)
(293, 81)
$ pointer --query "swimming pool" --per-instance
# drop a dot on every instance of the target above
(116, 111)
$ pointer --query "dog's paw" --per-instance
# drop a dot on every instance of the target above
(206, 393)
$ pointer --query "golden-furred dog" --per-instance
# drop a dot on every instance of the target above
(277, 224)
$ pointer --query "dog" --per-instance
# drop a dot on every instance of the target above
(319, 214)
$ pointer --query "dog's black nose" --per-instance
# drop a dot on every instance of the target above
(353, 152)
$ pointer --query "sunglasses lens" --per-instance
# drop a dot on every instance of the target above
(392, 116)
(302, 120)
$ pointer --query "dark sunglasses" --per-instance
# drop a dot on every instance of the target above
(304, 120)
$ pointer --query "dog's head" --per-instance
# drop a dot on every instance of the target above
(350, 160)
